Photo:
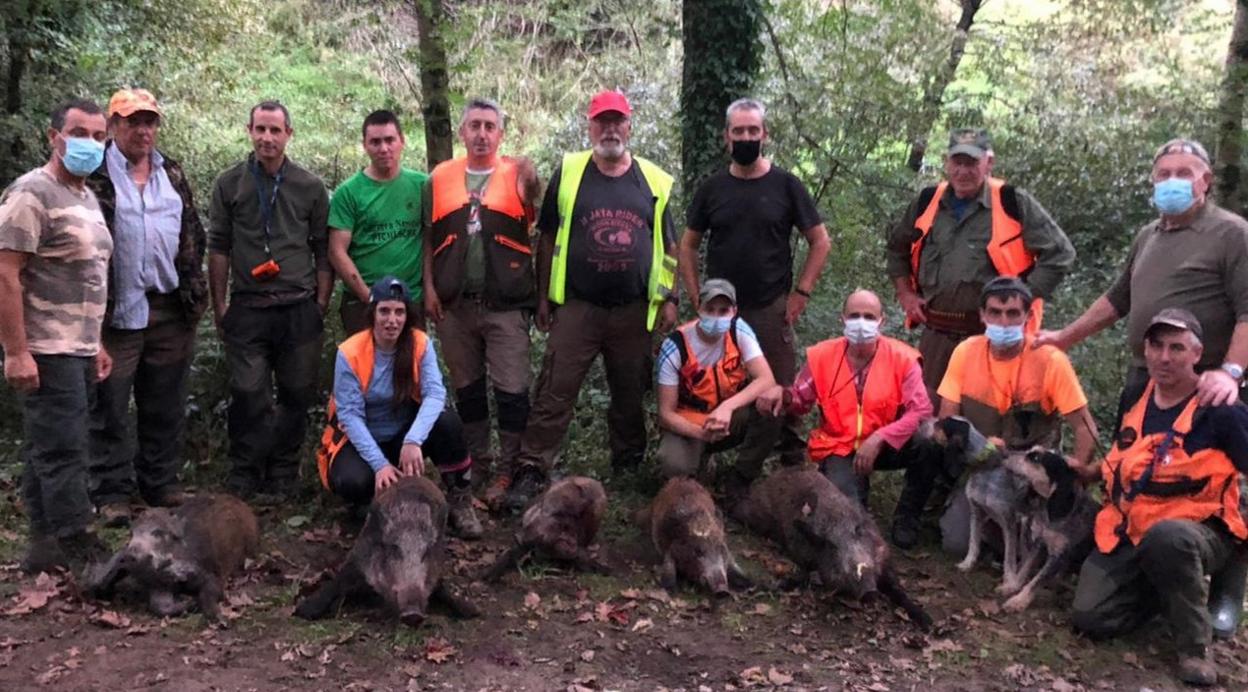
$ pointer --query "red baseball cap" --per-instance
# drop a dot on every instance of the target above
(605, 101)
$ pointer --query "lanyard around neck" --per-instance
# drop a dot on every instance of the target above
(267, 206)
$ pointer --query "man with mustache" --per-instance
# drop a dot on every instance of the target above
(958, 236)
(606, 270)
(157, 292)
(479, 285)
(267, 241)
(374, 222)
(749, 211)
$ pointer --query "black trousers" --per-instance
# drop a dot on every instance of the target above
(352, 479)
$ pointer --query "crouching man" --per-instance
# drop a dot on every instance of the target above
(861, 381)
(1173, 511)
(703, 399)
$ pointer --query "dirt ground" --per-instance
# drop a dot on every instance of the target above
(546, 628)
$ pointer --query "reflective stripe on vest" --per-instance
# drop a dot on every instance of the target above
(1179, 486)
(360, 354)
(846, 419)
(662, 265)
(1005, 248)
(701, 389)
(449, 183)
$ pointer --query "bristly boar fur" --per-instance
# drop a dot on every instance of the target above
(191, 549)
(688, 532)
(400, 555)
(560, 525)
(825, 532)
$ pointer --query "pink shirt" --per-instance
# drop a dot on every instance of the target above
(914, 402)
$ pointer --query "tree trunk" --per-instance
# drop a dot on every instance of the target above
(1228, 169)
(934, 92)
(722, 57)
(434, 82)
(18, 51)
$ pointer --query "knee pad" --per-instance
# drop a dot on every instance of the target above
(513, 410)
(473, 402)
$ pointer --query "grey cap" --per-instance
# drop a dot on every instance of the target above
(1177, 318)
(973, 142)
(713, 288)
(1005, 284)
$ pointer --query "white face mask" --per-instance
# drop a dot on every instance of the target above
(860, 330)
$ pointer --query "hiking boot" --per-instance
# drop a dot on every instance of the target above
(461, 518)
(1198, 670)
(83, 548)
(1226, 595)
(114, 515)
(527, 483)
(905, 533)
(44, 554)
(496, 491)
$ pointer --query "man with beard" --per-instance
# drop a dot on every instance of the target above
(606, 277)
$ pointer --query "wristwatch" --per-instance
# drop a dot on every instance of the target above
(1235, 371)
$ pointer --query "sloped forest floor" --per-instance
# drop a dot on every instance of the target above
(546, 628)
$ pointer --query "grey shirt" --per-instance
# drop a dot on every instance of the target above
(147, 228)
(1201, 267)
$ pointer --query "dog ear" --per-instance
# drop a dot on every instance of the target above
(1024, 466)
(1061, 502)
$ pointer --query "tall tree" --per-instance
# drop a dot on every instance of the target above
(722, 56)
(1228, 167)
(934, 90)
(434, 81)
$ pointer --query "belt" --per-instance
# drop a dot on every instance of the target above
(961, 324)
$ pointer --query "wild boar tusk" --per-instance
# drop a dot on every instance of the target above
(861, 566)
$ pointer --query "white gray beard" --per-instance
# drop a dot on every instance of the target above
(610, 152)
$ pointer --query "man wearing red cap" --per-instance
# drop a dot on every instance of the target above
(156, 294)
(606, 269)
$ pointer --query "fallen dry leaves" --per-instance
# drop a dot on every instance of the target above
(439, 650)
(35, 596)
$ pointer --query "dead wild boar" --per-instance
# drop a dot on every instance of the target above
(688, 531)
(191, 549)
(400, 555)
(825, 532)
(560, 525)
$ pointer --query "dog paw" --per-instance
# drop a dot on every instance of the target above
(966, 565)
(1018, 603)
(1006, 588)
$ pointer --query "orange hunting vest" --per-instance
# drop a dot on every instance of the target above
(701, 388)
(358, 350)
(848, 420)
(1006, 250)
(1150, 478)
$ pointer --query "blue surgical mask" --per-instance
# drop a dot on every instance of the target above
(82, 156)
(1003, 336)
(714, 326)
(861, 330)
(1173, 196)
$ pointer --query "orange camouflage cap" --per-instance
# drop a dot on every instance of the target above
(127, 102)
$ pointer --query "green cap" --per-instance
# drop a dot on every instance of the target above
(971, 141)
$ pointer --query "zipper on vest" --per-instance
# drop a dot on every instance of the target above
(858, 431)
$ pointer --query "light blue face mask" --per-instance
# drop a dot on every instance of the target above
(1003, 336)
(714, 326)
(1173, 196)
(82, 156)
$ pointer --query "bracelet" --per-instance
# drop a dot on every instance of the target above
(800, 292)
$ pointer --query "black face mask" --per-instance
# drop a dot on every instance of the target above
(746, 151)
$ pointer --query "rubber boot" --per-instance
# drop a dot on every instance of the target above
(44, 554)
(1226, 595)
(477, 437)
(916, 488)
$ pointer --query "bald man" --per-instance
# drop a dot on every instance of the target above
(861, 381)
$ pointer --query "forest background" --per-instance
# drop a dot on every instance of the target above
(1076, 94)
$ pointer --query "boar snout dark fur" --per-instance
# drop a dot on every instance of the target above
(688, 532)
(827, 533)
(191, 549)
(561, 524)
(400, 555)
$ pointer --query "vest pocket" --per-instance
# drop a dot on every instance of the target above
(509, 276)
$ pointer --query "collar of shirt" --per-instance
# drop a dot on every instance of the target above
(1195, 224)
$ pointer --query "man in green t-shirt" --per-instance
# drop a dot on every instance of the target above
(374, 221)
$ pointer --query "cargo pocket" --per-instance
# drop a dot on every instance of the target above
(511, 275)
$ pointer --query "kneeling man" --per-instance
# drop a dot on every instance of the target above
(704, 401)
(1173, 510)
(870, 391)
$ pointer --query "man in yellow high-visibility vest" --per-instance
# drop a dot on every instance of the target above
(606, 268)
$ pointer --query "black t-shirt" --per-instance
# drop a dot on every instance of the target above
(751, 224)
(1217, 427)
(610, 241)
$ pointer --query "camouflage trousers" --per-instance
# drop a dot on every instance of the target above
(54, 481)
(153, 363)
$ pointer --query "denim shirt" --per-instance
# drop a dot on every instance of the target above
(374, 418)
(146, 229)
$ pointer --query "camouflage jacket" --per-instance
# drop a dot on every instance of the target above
(189, 262)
